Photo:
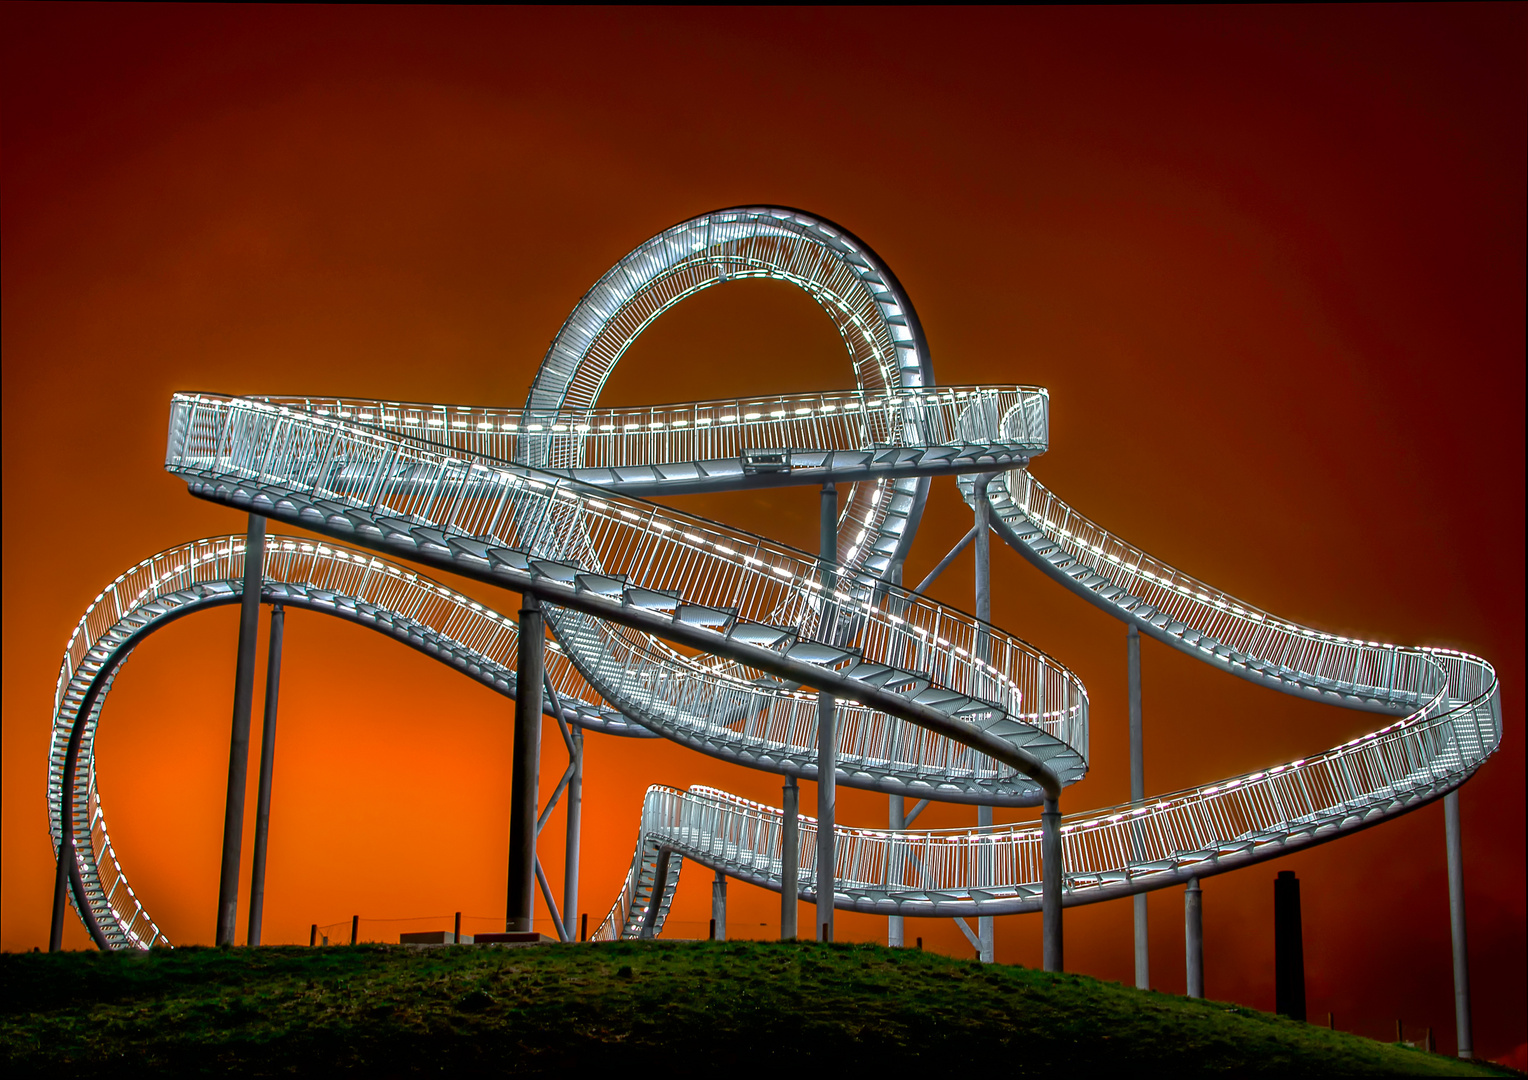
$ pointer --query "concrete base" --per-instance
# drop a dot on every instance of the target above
(433, 937)
(525, 937)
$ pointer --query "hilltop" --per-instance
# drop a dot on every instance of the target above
(750, 1006)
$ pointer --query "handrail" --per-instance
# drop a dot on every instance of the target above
(706, 634)
(465, 508)
(299, 572)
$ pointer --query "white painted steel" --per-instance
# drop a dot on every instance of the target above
(300, 572)
(602, 560)
(1449, 722)
(711, 637)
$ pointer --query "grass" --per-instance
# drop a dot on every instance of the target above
(670, 1006)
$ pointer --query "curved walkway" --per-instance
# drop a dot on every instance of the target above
(299, 572)
(707, 635)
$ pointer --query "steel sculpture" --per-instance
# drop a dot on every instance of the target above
(666, 624)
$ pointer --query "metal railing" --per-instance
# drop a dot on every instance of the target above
(1207, 619)
(1107, 853)
(709, 430)
(375, 482)
(524, 494)
(298, 572)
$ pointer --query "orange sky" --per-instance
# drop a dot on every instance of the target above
(1269, 262)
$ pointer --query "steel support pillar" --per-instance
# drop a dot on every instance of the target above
(1137, 796)
(827, 792)
(267, 768)
(238, 743)
(790, 856)
(1050, 886)
(655, 898)
(524, 789)
(66, 870)
(897, 821)
(985, 938)
(986, 946)
(61, 867)
(719, 905)
(1193, 938)
(575, 800)
(1462, 1016)
(827, 735)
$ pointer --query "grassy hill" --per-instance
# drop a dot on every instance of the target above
(677, 1006)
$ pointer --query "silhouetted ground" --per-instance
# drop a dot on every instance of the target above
(670, 1007)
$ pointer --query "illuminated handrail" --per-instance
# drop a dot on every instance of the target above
(379, 486)
(479, 491)
(1197, 832)
(705, 430)
(298, 572)
(1203, 620)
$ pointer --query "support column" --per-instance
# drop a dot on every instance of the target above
(827, 793)
(985, 937)
(1288, 947)
(1050, 885)
(1462, 1017)
(897, 821)
(1193, 938)
(827, 734)
(655, 898)
(1137, 796)
(575, 801)
(267, 768)
(790, 856)
(719, 905)
(238, 743)
(66, 869)
(524, 793)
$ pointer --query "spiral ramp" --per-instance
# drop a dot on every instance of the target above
(668, 624)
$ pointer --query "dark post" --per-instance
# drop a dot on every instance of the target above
(895, 927)
(1050, 886)
(313, 936)
(655, 899)
(1137, 796)
(827, 735)
(574, 796)
(267, 765)
(1193, 939)
(66, 867)
(1288, 947)
(1462, 1016)
(790, 856)
(456, 930)
(719, 907)
(238, 743)
(525, 778)
(986, 953)
(583, 927)
(355, 929)
(827, 775)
